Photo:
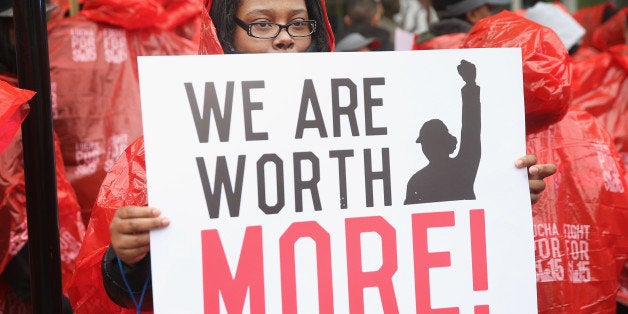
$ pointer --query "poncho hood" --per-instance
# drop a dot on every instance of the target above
(546, 64)
(136, 14)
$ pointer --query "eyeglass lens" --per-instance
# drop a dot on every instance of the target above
(270, 30)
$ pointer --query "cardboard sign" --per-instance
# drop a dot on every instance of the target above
(339, 182)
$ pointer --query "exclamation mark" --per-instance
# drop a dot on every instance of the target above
(478, 255)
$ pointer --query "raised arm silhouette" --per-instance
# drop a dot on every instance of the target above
(448, 178)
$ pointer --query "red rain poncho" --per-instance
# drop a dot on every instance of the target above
(13, 109)
(579, 223)
(449, 41)
(601, 88)
(94, 84)
(591, 18)
(546, 69)
(125, 184)
(13, 223)
(611, 33)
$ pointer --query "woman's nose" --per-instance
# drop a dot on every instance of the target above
(283, 41)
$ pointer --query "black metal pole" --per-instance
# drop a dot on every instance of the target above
(33, 67)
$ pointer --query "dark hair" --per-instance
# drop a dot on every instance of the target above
(391, 7)
(8, 62)
(441, 5)
(223, 13)
(320, 38)
(609, 11)
(360, 11)
(5, 4)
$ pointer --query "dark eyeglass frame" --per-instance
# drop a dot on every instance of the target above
(248, 26)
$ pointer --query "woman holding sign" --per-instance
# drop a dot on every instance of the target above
(113, 268)
(233, 26)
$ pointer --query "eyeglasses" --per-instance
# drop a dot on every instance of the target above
(266, 30)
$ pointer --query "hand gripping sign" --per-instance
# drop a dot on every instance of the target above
(339, 183)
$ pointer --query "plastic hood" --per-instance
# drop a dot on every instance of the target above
(546, 64)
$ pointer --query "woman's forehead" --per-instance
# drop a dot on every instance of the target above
(272, 5)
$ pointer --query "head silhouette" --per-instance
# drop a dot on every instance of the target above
(436, 141)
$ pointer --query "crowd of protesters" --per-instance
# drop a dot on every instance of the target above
(576, 107)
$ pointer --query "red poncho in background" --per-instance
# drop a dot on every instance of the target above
(449, 41)
(581, 241)
(611, 33)
(13, 224)
(546, 69)
(591, 18)
(94, 83)
(601, 88)
(13, 110)
(125, 184)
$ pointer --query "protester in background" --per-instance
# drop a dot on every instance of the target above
(600, 68)
(362, 12)
(15, 293)
(556, 17)
(93, 74)
(364, 16)
(118, 241)
(583, 213)
(601, 72)
(592, 17)
(415, 16)
(357, 42)
(390, 8)
(601, 87)
(603, 32)
(335, 14)
(456, 18)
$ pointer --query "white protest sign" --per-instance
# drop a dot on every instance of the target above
(286, 178)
